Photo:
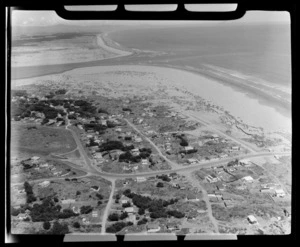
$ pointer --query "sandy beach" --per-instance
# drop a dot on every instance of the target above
(168, 83)
(80, 49)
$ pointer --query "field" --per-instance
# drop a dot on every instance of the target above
(42, 140)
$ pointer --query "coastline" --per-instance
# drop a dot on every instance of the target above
(234, 83)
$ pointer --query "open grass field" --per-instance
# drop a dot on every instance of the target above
(42, 139)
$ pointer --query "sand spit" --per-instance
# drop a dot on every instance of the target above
(171, 84)
(82, 49)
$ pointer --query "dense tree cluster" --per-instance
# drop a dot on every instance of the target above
(59, 229)
(164, 177)
(61, 91)
(113, 217)
(123, 216)
(155, 206)
(142, 221)
(46, 225)
(86, 209)
(94, 127)
(29, 193)
(48, 211)
(117, 227)
(126, 205)
(111, 145)
(175, 213)
(128, 157)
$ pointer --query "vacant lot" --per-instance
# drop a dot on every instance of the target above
(40, 138)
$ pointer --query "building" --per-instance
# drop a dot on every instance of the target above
(76, 210)
(95, 213)
(68, 201)
(138, 139)
(280, 193)
(151, 227)
(192, 161)
(192, 198)
(44, 184)
(252, 219)
(188, 148)
(235, 148)
(140, 179)
(129, 210)
(211, 178)
(248, 179)
(124, 201)
(44, 165)
(173, 226)
(244, 162)
(144, 162)
(35, 158)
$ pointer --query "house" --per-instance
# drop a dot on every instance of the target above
(192, 161)
(188, 148)
(85, 221)
(35, 158)
(215, 136)
(131, 218)
(248, 179)
(223, 155)
(23, 216)
(151, 227)
(68, 201)
(98, 156)
(280, 193)
(138, 139)
(118, 130)
(129, 210)
(173, 226)
(211, 178)
(95, 213)
(244, 162)
(44, 184)
(124, 201)
(140, 179)
(44, 165)
(235, 148)
(144, 161)
(192, 198)
(252, 219)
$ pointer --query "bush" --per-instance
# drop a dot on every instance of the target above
(76, 224)
(117, 227)
(46, 225)
(99, 196)
(78, 193)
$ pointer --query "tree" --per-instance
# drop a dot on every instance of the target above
(46, 225)
(76, 224)
(99, 203)
(78, 193)
(142, 221)
(30, 198)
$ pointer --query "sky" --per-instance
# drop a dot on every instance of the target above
(46, 18)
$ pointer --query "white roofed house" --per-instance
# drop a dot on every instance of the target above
(140, 179)
(35, 158)
(129, 210)
(188, 148)
(44, 184)
(144, 162)
(192, 161)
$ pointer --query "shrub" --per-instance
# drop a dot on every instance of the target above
(78, 193)
(46, 225)
(99, 196)
(99, 203)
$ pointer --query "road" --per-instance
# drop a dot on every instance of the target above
(108, 206)
(173, 164)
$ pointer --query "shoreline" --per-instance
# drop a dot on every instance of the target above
(237, 84)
